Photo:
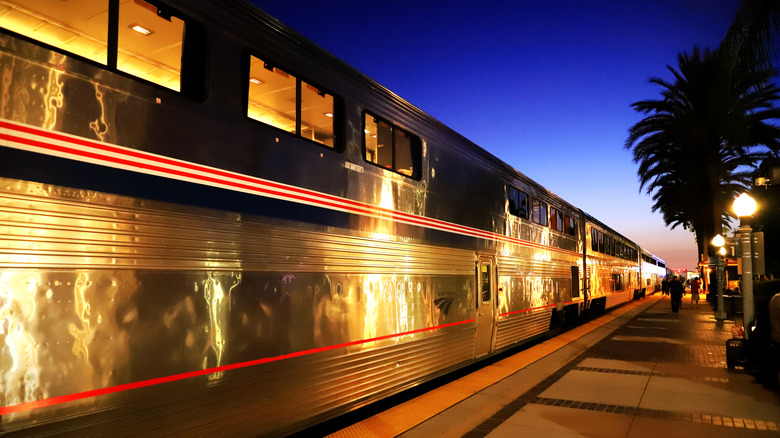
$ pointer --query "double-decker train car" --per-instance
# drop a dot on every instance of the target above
(613, 267)
(653, 271)
(209, 225)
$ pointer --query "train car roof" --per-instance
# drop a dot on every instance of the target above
(592, 219)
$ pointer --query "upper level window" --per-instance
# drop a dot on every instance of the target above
(77, 26)
(389, 146)
(283, 100)
(556, 219)
(539, 212)
(518, 202)
(571, 226)
(148, 42)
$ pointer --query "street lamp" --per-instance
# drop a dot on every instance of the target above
(744, 206)
(718, 241)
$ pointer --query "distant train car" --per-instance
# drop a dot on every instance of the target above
(613, 266)
(210, 226)
(653, 272)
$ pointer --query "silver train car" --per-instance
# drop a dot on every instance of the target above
(209, 225)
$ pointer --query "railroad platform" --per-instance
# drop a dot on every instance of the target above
(638, 371)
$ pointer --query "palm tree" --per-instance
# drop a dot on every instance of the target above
(749, 42)
(698, 144)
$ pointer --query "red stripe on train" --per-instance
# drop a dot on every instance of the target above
(177, 169)
(151, 382)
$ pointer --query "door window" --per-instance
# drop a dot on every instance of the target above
(485, 275)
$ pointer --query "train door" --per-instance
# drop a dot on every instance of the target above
(486, 297)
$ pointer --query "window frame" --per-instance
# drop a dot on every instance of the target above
(415, 147)
(570, 225)
(300, 83)
(510, 190)
(192, 68)
(557, 219)
(540, 219)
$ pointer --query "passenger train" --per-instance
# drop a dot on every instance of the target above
(210, 226)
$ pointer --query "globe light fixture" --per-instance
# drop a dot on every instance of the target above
(744, 205)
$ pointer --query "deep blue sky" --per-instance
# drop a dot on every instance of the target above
(544, 86)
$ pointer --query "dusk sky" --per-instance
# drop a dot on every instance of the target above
(544, 86)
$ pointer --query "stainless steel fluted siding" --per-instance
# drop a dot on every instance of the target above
(89, 230)
(518, 327)
(115, 290)
(617, 298)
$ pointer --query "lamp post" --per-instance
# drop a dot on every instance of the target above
(718, 241)
(744, 206)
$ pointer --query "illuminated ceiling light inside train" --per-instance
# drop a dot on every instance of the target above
(255, 81)
(140, 29)
(329, 115)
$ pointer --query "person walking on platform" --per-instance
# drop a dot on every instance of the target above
(695, 285)
(676, 290)
(665, 286)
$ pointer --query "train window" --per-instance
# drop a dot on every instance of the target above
(571, 226)
(317, 115)
(518, 202)
(274, 100)
(485, 268)
(556, 219)
(403, 152)
(146, 41)
(602, 245)
(78, 26)
(390, 147)
(617, 282)
(150, 44)
(272, 94)
(539, 212)
(594, 240)
(379, 142)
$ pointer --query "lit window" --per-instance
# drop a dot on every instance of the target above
(149, 40)
(272, 95)
(316, 114)
(150, 44)
(273, 100)
(77, 26)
